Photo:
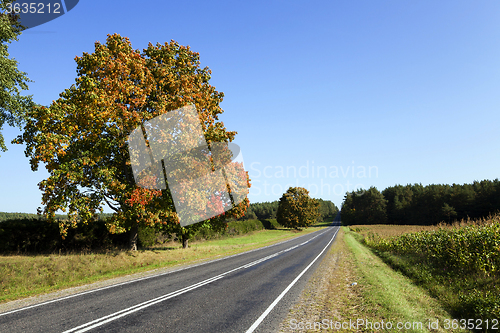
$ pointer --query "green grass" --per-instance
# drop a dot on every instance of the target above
(29, 275)
(389, 294)
(459, 265)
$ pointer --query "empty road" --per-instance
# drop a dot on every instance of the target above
(249, 292)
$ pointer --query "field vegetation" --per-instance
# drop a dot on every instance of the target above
(353, 284)
(459, 263)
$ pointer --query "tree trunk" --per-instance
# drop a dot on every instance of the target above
(133, 236)
(185, 240)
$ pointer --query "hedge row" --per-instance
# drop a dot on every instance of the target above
(38, 236)
(149, 236)
(33, 235)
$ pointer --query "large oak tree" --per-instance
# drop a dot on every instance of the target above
(82, 137)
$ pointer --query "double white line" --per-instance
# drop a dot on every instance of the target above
(114, 316)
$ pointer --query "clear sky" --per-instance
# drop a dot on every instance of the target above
(328, 95)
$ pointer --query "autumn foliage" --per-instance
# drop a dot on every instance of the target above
(296, 209)
(81, 138)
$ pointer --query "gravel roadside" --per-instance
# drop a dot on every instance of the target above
(329, 294)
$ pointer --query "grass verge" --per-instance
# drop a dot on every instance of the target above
(459, 265)
(352, 285)
(29, 275)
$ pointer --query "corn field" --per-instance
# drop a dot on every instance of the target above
(471, 248)
(459, 264)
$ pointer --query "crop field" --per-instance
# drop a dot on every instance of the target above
(390, 230)
(459, 264)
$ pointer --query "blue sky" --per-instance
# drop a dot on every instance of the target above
(397, 91)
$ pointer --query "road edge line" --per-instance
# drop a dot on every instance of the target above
(276, 301)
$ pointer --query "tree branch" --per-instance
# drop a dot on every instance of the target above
(109, 204)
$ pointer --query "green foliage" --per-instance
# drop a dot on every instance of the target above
(364, 207)
(448, 211)
(36, 235)
(13, 106)
(268, 210)
(463, 250)
(20, 216)
(327, 209)
(262, 210)
(481, 304)
(423, 205)
(147, 236)
(235, 228)
(31, 234)
(152, 236)
(243, 227)
(417, 204)
(296, 209)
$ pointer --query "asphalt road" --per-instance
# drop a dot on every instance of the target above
(249, 292)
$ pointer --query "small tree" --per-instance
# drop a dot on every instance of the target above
(296, 209)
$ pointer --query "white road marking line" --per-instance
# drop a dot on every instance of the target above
(111, 317)
(273, 304)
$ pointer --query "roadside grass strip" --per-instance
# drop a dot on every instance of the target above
(395, 298)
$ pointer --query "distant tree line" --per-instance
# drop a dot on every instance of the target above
(327, 209)
(26, 216)
(261, 211)
(421, 205)
(268, 210)
(29, 216)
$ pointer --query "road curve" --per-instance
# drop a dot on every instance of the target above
(248, 292)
